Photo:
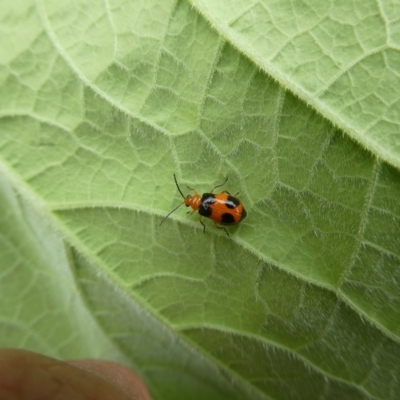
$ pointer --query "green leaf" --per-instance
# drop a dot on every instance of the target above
(101, 103)
(341, 58)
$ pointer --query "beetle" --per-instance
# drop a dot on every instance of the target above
(223, 208)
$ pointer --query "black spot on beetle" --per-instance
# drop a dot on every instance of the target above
(205, 210)
(208, 197)
(227, 219)
(232, 202)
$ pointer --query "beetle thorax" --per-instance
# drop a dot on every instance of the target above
(193, 201)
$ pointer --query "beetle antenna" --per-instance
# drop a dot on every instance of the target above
(171, 213)
(180, 191)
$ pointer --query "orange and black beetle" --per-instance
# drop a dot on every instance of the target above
(222, 208)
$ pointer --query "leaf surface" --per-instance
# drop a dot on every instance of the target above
(341, 58)
(100, 104)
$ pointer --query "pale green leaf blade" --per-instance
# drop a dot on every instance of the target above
(38, 290)
(342, 58)
(54, 302)
(301, 300)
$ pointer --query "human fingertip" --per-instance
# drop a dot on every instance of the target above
(119, 375)
(25, 375)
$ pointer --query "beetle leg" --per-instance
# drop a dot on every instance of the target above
(204, 227)
(221, 227)
(225, 191)
(222, 184)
